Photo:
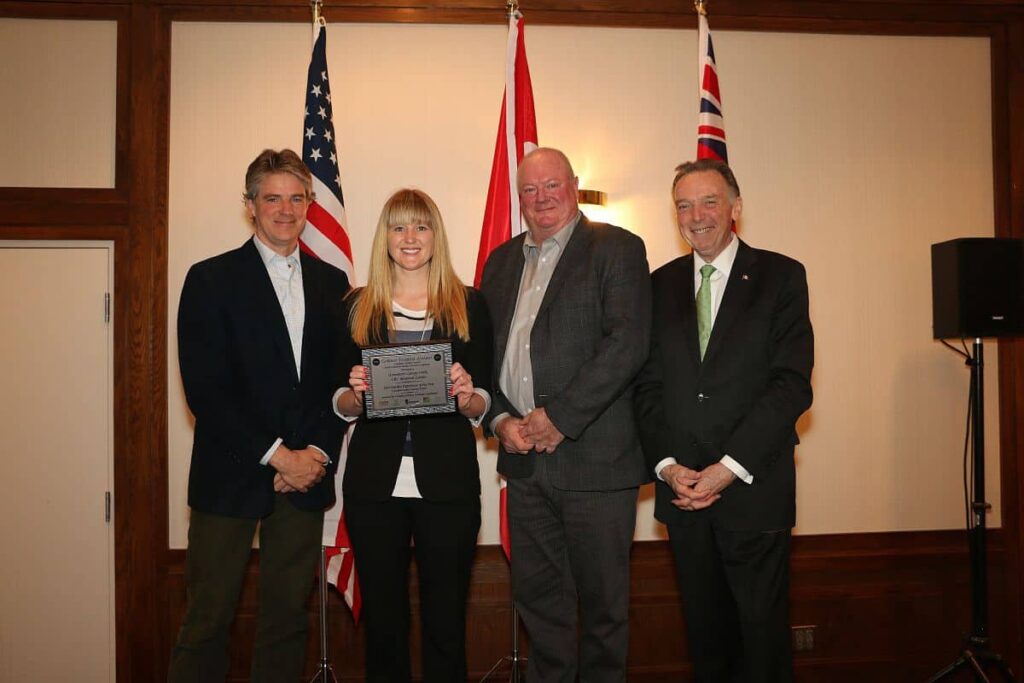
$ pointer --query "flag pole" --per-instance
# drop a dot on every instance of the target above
(513, 659)
(324, 673)
(512, 9)
(512, 14)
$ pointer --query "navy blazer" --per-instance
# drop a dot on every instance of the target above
(241, 384)
(744, 399)
(444, 446)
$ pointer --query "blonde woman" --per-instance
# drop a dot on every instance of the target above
(415, 479)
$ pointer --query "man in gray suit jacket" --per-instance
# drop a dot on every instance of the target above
(570, 300)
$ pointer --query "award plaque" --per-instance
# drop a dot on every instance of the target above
(408, 379)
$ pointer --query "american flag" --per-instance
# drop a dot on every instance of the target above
(325, 238)
(517, 136)
(341, 563)
(710, 124)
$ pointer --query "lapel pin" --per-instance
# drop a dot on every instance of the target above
(744, 277)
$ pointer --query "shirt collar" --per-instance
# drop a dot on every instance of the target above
(561, 237)
(268, 254)
(723, 263)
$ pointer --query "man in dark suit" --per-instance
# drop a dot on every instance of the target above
(570, 300)
(258, 330)
(717, 402)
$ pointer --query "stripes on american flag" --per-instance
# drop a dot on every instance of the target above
(341, 563)
(325, 238)
(325, 235)
(710, 124)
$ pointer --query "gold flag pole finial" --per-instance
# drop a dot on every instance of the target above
(512, 8)
(317, 6)
(699, 6)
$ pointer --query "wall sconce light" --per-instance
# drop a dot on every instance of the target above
(594, 197)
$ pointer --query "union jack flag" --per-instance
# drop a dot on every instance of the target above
(710, 124)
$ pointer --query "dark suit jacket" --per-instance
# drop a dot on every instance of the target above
(240, 381)
(744, 399)
(444, 446)
(588, 342)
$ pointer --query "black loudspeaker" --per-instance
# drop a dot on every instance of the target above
(977, 288)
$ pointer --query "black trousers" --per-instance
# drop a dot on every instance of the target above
(218, 553)
(735, 587)
(444, 536)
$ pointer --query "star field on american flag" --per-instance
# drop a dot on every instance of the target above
(325, 235)
(318, 149)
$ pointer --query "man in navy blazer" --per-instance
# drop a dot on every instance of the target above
(570, 301)
(258, 332)
(728, 376)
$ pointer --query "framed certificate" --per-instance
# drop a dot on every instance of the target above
(409, 379)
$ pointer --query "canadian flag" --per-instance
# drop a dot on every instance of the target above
(517, 136)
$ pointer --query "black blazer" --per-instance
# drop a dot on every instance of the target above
(587, 344)
(744, 399)
(444, 446)
(240, 381)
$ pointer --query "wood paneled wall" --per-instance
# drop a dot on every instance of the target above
(889, 607)
(885, 607)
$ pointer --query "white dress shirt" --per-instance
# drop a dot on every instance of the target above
(285, 274)
(718, 281)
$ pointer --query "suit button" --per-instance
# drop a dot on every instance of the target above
(700, 398)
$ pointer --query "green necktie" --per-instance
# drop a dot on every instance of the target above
(704, 308)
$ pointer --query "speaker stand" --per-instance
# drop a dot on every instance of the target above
(976, 654)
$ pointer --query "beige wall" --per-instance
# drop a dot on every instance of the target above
(58, 81)
(854, 155)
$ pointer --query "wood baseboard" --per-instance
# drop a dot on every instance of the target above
(884, 607)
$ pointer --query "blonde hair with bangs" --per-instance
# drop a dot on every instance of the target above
(446, 295)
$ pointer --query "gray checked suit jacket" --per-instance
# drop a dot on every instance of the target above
(589, 340)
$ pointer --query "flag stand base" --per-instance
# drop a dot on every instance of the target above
(512, 661)
(976, 658)
(324, 672)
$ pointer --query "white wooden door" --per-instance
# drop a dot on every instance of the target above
(56, 462)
